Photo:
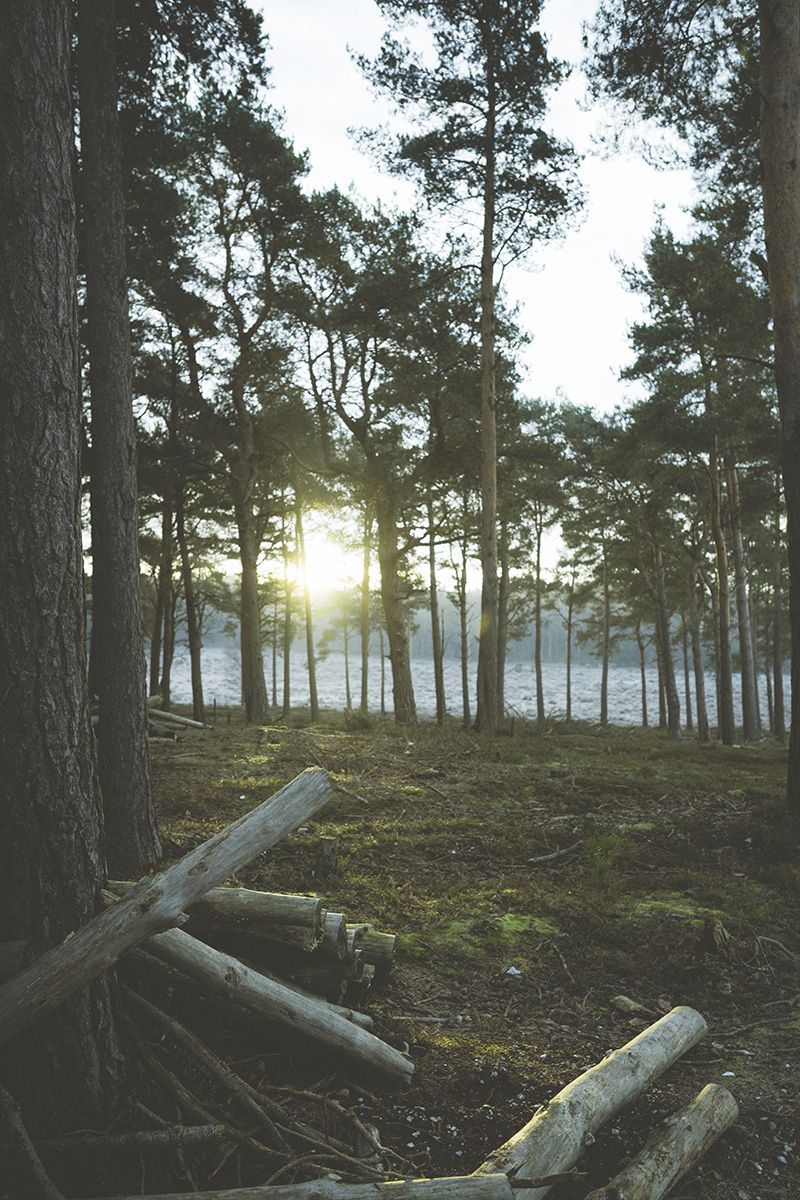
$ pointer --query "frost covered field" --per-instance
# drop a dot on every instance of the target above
(221, 683)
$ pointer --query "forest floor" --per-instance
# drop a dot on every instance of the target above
(683, 890)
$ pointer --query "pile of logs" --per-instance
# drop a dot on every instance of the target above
(276, 957)
(163, 725)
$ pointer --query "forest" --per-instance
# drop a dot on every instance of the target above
(399, 763)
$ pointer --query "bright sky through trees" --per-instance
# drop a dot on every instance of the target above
(573, 300)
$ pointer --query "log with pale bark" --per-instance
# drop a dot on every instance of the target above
(474, 1187)
(554, 1138)
(156, 903)
(674, 1149)
(230, 979)
(285, 920)
(160, 716)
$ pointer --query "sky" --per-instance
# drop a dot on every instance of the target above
(573, 301)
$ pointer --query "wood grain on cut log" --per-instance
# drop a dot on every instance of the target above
(309, 1018)
(674, 1149)
(286, 920)
(156, 903)
(553, 1139)
(471, 1187)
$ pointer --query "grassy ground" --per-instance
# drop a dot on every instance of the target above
(683, 890)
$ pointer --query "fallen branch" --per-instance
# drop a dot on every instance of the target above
(472, 1187)
(155, 903)
(553, 1139)
(232, 980)
(171, 718)
(675, 1148)
(184, 1136)
(554, 854)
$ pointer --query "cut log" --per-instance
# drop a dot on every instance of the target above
(285, 920)
(553, 1139)
(674, 1149)
(182, 1136)
(157, 902)
(334, 936)
(473, 1187)
(171, 718)
(379, 949)
(230, 979)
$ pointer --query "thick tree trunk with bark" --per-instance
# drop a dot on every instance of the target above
(606, 645)
(155, 636)
(166, 596)
(192, 619)
(436, 633)
(488, 710)
(405, 709)
(780, 154)
(118, 662)
(663, 631)
(687, 687)
(66, 1071)
(725, 714)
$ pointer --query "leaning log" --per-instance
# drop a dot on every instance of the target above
(473, 1187)
(230, 979)
(674, 1149)
(553, 1139)
(157, 902)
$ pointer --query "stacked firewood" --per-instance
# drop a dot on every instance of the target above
(293, 940)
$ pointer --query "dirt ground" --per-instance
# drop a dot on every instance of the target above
(681, 888)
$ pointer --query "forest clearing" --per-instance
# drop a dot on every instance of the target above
(435, 833)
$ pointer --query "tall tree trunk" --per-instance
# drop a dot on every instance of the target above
(155, 637)
(488, 711)
(118, 661)
(383, 670)
(365, 607)
(662, 690)
(66, 1071)
(697, 658)
(746, 652)
(503, 596)
(537, 628)
(463, 630)
(779, 725)
(436, 633)
(663, 634)
(780, 153)
(405, 709)
(167, 595)
(275, 653)
(254, 686)
(192, 617)
(642, 673)
(570, 619)
(288, 632)
(606, 646)
(768, 682)
(755, 634)
(687, 689)
(310, 655)
(348, 695)
(725, 714)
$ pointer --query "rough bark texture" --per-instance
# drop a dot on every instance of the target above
(780, 155)
(436, 632)
(778, 718)
(254, 684)
(488, 1187)
(118, 647)
(697, 658)
(51, 851)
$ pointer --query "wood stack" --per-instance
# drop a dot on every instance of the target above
(293, 940)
